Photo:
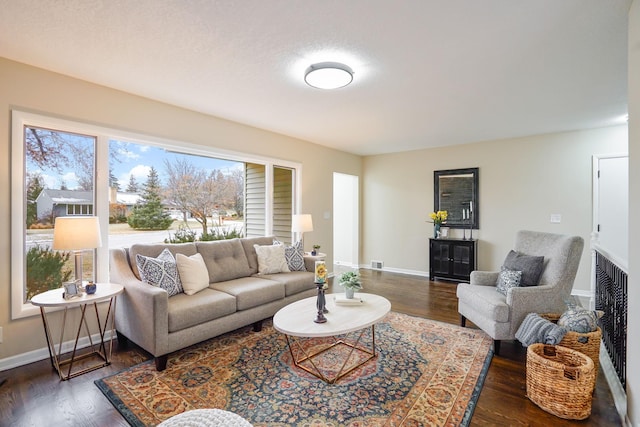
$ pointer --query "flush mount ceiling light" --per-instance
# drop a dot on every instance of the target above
(328, 75)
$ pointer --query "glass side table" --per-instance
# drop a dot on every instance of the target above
(53, 299)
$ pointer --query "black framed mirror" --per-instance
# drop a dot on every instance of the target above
(456, 191)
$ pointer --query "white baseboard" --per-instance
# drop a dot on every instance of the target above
(397, 270)
(43, 352)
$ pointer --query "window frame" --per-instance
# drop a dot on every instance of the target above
(20, 119)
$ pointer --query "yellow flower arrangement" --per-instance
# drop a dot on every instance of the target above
(438, 217)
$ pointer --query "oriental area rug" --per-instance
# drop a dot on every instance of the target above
(426, 373)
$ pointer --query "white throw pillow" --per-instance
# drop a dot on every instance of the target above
(271, 259)
(193, 273)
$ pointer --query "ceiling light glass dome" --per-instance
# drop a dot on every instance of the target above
(328, 75)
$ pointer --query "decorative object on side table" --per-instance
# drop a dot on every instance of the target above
(470, 220)
(320, 280)
(71, 290)
(438, 218)
(350, 281)
(467, 215)
(314, 252)
(90, 288)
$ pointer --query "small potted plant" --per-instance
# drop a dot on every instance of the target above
(314, 252)
(350, 281)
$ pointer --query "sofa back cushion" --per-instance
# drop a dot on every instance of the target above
(225, 259)
(153, 250)
(249, 250)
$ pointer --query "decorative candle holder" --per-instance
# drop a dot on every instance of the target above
(320, 279)
(321, 304)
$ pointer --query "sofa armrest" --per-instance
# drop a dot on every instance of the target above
(484, 278)
(534, 299)
(142, 309)
(310, 262)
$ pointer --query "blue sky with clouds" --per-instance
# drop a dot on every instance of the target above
(131, 159)
(137, 159)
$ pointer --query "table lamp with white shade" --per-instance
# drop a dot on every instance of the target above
(301, 223)
(77, 233)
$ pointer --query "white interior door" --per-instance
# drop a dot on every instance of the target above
(346, 238)
(611, 203)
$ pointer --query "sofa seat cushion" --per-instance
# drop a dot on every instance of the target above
(190, 310)
(486, 299)
(294, 282)
(251, 291)
(225, 259)
(154, 250)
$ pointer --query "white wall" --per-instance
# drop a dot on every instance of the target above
(633, 330)
(522, 182)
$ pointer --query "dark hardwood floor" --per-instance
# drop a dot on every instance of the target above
(33, 395)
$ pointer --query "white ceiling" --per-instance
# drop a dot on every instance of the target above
(428, 73)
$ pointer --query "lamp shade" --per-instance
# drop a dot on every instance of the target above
(76, 233)
(301, 223)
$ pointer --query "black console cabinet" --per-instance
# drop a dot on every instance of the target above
(452, 259)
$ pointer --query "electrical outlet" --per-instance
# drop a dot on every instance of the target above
(556, 218)
(0, 334)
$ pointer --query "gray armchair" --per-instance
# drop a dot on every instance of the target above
(500, 315)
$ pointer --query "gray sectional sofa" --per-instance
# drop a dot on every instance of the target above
(237, 295)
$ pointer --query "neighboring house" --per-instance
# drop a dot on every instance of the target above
(124, 201)
(57, 203)
(54, 203)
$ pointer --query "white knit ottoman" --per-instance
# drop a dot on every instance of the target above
(206, 418)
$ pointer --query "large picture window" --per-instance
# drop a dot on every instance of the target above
(143, 190)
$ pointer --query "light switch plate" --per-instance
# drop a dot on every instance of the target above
(556, 218)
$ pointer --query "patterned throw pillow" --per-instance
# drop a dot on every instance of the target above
(508, 279)
(580, 320)
(294, 255)
(161, 272)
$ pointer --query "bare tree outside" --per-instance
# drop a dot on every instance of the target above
(184, 182)
(203, 195)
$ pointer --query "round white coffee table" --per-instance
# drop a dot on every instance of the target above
(296, 320)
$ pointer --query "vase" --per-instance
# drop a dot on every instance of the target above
(436, 231)
(348, 293)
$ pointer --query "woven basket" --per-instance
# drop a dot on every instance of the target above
(560, 380)
(587, 343)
